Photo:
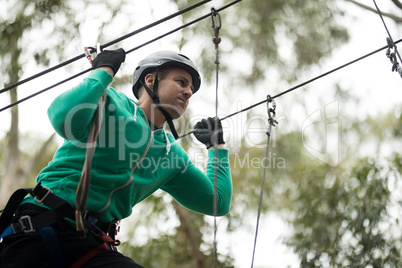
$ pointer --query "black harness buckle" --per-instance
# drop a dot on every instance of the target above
(43, 193)
(25, 223)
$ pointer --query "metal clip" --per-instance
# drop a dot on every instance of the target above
(26, 224)
(88, 53)
(91, 52)
(271, 111)
(40, 200)
(216, 28)
(392, 56)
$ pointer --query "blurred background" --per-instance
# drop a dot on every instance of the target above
(332, 194)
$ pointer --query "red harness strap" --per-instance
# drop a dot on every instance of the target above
(108, 245)
(89, 255)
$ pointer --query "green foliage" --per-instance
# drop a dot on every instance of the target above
(168, 248)
(340, 216)
(342, 220)
(170, 251)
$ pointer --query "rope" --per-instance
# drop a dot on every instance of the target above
(127, 52)
(82, 191)
(216, 40)
(105, 45)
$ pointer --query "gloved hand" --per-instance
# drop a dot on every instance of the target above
(110, 58)
(205, 132)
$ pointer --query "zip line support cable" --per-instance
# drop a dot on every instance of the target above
(302, 84)
(127, 52)
(271, 123)
(184, 26)
(105, 45)
(216, 26)
(391, 45)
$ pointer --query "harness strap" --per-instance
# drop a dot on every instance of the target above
(89, 255)
(53, 245)
(59, 209)
(12, 206)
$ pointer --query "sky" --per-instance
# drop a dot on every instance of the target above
(377, 88)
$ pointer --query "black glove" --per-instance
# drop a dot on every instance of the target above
(205, 132)
(110, 58)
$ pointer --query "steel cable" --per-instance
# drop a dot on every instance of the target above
(302, 84)
(105, 45)
(127, 52)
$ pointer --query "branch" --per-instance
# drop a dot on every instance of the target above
(395, 18)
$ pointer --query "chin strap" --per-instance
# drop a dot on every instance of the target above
(155, 99)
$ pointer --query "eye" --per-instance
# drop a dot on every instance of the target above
(181, 82)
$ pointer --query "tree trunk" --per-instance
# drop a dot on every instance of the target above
(194, 244)
(11, 180)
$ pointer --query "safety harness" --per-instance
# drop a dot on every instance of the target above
(59, 210)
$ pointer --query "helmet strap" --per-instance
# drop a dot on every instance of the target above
(155, 99)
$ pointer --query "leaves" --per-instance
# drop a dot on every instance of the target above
(341, 217)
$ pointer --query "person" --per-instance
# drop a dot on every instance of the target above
(134, 157)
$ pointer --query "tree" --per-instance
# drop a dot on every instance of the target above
(394, 17)
(27, 15)
(282, 39)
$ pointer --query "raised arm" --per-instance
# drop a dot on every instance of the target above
(71, 113)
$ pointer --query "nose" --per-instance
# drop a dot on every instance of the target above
(188, 92)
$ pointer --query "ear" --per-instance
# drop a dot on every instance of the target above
(149, 80)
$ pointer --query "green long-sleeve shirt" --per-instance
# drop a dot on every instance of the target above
(131, 161)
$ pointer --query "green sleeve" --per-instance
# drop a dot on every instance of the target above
(195, 190)
(71, 112)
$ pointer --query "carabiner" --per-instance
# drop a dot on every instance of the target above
(88, 53)
(216, 28)
(271, 111)
(215, 14)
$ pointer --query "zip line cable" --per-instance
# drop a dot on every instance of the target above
(302, 84)
(391, 45)
(183, 26)
(105, 45)
(386, 28)
(271, 111)
(186, 25)
(216, 26)
(127, 52)
(271, 123)
(271, 116)
(313, 79)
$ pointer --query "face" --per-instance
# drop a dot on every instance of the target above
(175, 90)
